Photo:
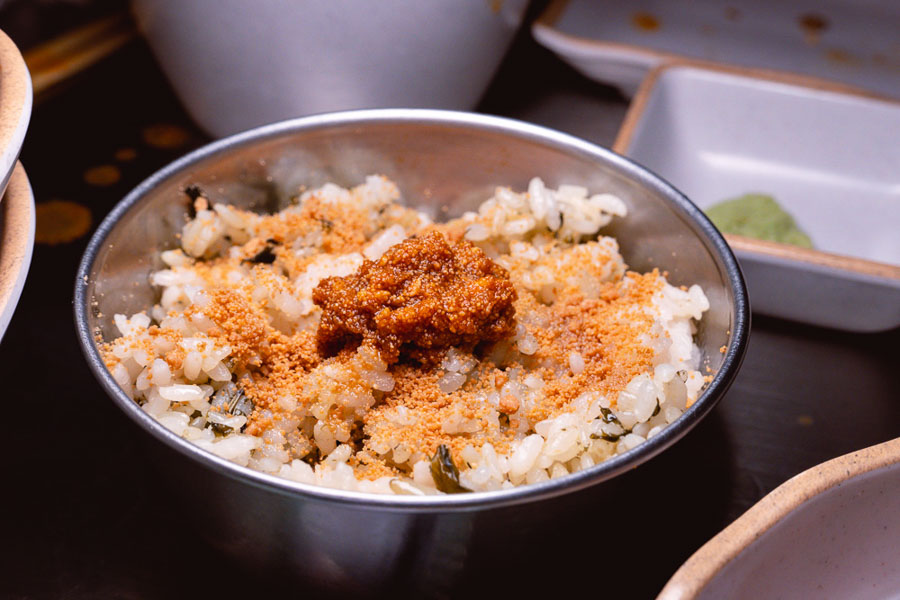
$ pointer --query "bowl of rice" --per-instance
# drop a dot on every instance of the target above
(358, 337)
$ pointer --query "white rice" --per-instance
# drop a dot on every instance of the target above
(521, 232)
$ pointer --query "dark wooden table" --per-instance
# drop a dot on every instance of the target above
(84, 517)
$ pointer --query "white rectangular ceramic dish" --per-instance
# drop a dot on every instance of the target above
(851, 41)
(830, 157)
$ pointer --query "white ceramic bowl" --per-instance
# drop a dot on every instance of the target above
(829, 532)
(16, 242)
(828, 155)
(15, 106)
(237, 64)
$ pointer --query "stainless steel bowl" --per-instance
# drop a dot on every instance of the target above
(445, 162)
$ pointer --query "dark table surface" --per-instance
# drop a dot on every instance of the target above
(84, 517)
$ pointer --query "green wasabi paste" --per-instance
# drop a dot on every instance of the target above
(757, 216)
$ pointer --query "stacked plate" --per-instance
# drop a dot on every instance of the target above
(17, 205)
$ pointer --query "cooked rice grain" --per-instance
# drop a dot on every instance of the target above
(601, 358)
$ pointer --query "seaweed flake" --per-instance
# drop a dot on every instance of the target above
(265, 256)
(609, 416)
(192, 192)
(231, 400)
(312, 458)
(445, 473)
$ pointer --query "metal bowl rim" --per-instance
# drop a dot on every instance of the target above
(453, 502)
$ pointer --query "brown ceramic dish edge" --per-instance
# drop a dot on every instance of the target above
(712, 557)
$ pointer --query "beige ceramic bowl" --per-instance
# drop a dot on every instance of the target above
(16, 242)
(15, 105)
(830, 532)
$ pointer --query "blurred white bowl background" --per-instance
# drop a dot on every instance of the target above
(237, 64)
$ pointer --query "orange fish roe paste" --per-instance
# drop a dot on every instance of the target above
(423, 293)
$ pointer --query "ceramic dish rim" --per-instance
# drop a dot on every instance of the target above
(15, 104)
(699, 570)
(16, 242)
(545, 30)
